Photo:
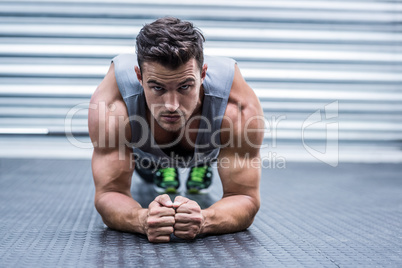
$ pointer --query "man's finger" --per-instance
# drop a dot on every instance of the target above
(182, 217)
(179, 226)
(167, 230)
(162, 230)
(164, 200)
(159, 239)
(185, 234)
(183, 209)
(161, 211)
(189, 207)
(154, 204)
(179, 200)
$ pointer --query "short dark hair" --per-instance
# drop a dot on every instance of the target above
(170, 42)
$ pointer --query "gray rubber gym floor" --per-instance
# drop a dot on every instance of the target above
(311, 215)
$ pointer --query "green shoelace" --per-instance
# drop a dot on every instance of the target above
(197, 174)
(169, 174)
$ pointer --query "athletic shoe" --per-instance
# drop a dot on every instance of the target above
(166, 180)
(199, 180)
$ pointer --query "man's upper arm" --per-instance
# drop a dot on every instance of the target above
(111, 163)
(239, 163)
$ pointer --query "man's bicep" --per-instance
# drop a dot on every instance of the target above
(110, 167)
(112, 171)
(240, 173)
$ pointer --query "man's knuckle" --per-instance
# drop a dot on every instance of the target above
(168, 220)
(151, 233)
(195, 230)
(171, 220)
(196, 209)
(180, 235)
(191, 235)
(198, 219)
(152, 222)
(169, 211)
(153, 211)
(151, 238)
(192, 203)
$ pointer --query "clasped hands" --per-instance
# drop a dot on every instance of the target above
(183, 218)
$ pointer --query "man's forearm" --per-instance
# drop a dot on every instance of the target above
(121, 212)
(230, 214)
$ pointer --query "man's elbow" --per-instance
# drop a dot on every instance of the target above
(253, 210)
(100, 205)
(109, 224)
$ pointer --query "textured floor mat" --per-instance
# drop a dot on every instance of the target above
(311, 215)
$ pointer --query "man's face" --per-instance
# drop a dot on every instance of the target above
(171, 95)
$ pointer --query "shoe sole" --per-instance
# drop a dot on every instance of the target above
(197, 191)
(170, 190)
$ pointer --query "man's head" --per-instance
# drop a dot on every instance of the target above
(171, 70)
(170, 42)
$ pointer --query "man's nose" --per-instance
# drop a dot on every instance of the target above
(171, 102)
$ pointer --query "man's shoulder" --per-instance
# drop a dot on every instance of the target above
(106, 102)
(106, 107)
(220, 67)
(218, 60)
(108, 91)
(243, 110)
(125, 57)
(219, 76)
(125, 76)
(242, 98)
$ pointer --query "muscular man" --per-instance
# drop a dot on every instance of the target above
(174, 108)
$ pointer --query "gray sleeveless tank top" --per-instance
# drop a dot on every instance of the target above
(217, 85)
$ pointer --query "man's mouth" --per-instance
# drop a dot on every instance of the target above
(170, 118)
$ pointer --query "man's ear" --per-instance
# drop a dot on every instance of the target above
(204, 72)
(138, 73)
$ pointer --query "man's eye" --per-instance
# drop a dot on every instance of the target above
(184, 87)
(157, 88)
